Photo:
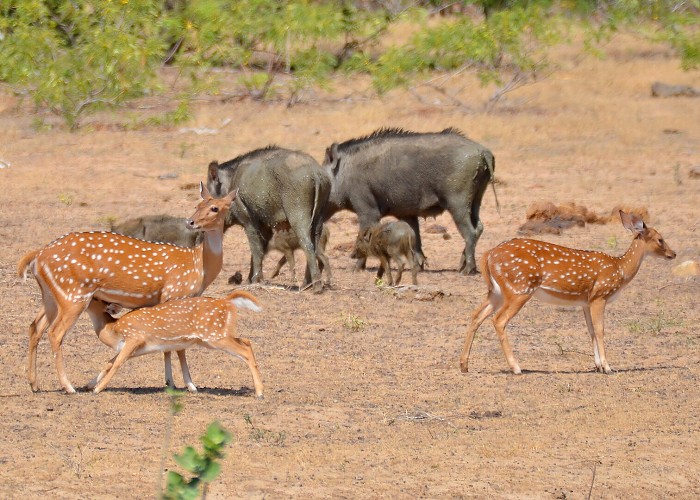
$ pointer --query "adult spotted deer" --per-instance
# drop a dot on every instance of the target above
(520, 269)
(79, 267)
(175, 326)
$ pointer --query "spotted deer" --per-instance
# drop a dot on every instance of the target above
(521, 268)
(79, 267)
(175, 325)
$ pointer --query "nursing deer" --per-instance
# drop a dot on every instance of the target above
(79, 267)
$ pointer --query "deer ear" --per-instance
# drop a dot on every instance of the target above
(213, 170)
(632, 222)
(203, 191)
(232, 195)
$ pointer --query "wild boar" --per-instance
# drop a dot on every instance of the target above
(286, 241)
(159, 228)
(277, 189)
(410, 175)
(387, 241)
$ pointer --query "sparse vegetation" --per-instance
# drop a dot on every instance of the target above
(352, 322)
(264, 436)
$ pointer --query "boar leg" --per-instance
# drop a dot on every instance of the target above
(258, 245)
(418, 246)
(463, 221)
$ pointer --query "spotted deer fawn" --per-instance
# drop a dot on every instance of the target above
(175, 325)
(79, 267)
(520, 269)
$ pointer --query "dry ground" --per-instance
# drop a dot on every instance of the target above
(364, 397)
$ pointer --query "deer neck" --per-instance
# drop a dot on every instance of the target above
(212, 256)
(631, 261)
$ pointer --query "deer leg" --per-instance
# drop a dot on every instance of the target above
(594, 342)
(478, 317)
(36, 331)
(241, 348)
(510, 308)
(113, 365)
(186, 371)
(598, 317)
(65, 319)
(168, 365)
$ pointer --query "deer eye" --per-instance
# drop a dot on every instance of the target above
(214, 209)
(661, 241)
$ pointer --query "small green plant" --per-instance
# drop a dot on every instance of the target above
(203, 467)
(66, 199)
(352, 322)
(612, 242)
(654, 325)
(260, 435)
(379, 282)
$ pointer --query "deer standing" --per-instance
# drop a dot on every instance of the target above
(79, 267)
(175, 326)
(521, 268)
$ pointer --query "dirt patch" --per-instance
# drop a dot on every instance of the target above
(364, 397)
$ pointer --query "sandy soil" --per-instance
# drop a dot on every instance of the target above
(364, 397)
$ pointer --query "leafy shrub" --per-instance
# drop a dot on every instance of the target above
(203, 466)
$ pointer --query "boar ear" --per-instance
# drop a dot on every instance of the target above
(333, 158)
(632, 222)
(214, 171)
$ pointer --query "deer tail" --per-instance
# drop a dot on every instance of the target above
(24, 263)
(244, 300)
(485, 271)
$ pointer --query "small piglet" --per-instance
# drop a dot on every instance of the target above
(387, 241)
(159, 228)
(286, 241)
(176, 325)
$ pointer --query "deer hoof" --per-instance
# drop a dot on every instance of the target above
(260, 397)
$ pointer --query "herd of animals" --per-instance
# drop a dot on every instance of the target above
(159, 266)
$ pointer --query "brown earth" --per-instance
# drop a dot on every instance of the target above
(364, 397)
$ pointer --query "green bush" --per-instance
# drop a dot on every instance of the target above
(74, 56)
(79, 56)
(203, 467)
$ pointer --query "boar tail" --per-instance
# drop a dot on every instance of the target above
(491, 164)
(317, 208)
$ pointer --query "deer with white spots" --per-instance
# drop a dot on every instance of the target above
(79, 267)
(175, 326)
(520, 269)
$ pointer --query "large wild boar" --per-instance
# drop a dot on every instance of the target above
(410, 175)
(277, 189)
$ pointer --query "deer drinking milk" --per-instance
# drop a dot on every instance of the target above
(521, 268)
(175, 326)
(132, 273)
